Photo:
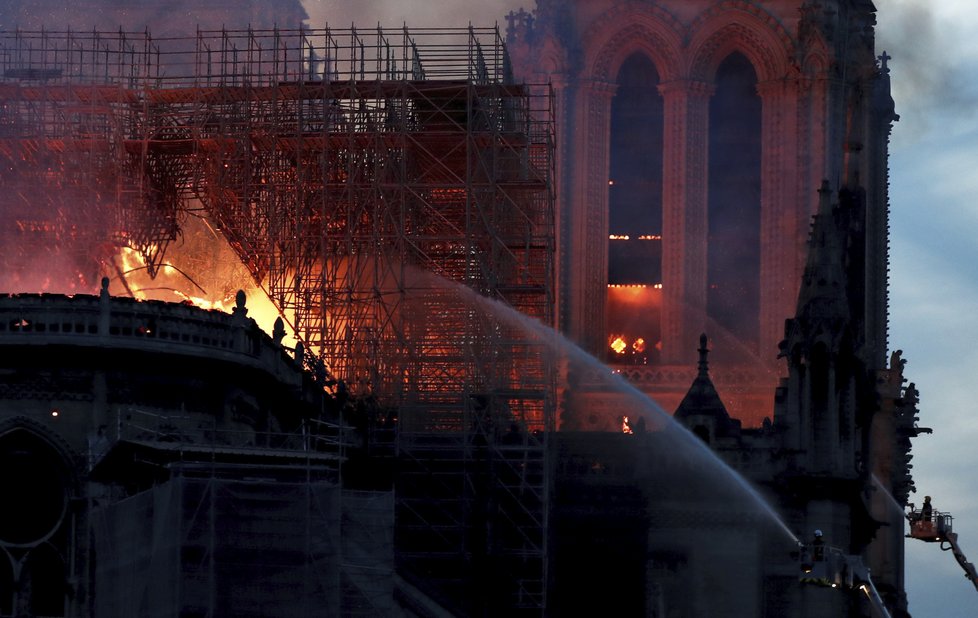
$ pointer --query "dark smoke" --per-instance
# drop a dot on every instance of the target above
(182, 16)
(162, 18)
(931, 80)
(416, 13)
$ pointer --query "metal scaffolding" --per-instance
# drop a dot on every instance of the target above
(368, 179)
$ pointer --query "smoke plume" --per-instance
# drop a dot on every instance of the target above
(415, 13)
(931, 82)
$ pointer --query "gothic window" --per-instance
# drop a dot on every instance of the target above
(635, 214)
(43, 582)
(734, 251)
(38, 491)
(6, 584)
(35, 517)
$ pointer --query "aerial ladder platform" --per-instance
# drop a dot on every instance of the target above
(828, 566)
(936, 527)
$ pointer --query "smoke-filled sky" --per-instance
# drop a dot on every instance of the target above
(416, 13)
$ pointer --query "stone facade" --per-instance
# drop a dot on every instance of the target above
(816, 77)
(811, 411)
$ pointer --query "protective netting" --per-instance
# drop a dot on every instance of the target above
(211, 546)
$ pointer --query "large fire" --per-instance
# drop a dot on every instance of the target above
(200, 269)
(633, 321)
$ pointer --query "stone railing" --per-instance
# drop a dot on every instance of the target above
(118, 322)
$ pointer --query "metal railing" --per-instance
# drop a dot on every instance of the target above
(254, 57)
(200, 432)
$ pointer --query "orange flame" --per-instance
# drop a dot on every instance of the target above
(173, 284)
(619, 345)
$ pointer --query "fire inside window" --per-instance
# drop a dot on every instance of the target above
(634, 296)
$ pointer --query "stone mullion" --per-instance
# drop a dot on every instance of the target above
(684, 217)
(562, 102)
(590, 220)
(810, 170)
(779, 213)
(572, 206)
(835, 118)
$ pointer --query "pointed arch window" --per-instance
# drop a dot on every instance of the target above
(635, 214)
(734, 207)
(44, 582)
(36, 519)
(6, 584)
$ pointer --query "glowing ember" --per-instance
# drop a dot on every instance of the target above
(619, 345)
(635, 286)
(628, 237)
(625, 427)
(639, 345)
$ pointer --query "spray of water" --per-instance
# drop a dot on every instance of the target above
(693, 454)
(891, 502)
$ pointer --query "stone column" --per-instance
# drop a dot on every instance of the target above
(587, 207)
(781, 208)
(684, 216)
(562, 103)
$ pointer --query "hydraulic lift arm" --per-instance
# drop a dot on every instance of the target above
(951, 543)
(936, 528)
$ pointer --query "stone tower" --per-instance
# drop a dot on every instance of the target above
(694, 137)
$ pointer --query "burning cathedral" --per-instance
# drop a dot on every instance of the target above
(588, 316)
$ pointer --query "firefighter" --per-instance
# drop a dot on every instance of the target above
(818, 547)
(926, 511)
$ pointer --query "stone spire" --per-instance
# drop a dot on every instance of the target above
(823, 288)
(702, 405)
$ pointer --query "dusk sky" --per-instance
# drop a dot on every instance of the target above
(934, 274)
(934, 279)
